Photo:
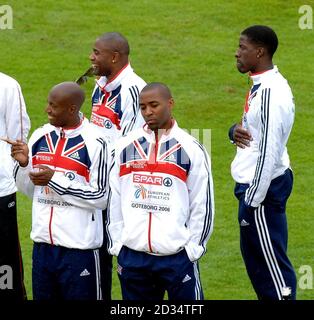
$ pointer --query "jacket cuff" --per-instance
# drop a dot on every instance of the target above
(193, 251)
(115, 249)
(253, 206)
(59, 179)
(230, 133)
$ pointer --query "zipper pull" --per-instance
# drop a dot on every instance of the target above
(62, 134)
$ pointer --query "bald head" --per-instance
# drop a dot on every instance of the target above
(69, 92)
(162, 89)
(116, 42)
(64, 103)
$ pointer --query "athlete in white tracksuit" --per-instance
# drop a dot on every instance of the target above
(261, 167)
(161, 208)
(67, 212)
(65, 174)
(14, 124)
(115, 109)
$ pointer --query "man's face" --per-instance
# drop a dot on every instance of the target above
(156, 109)
(246, 55)
(101, 58)
(58, 111)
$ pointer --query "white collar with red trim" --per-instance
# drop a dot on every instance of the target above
(71, 132)
(261, 76)
(115, 82)
(166, 134)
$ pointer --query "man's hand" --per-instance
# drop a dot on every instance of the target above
(41, 177)
(19, 151)
(241, 137)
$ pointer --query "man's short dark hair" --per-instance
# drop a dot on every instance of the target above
(117, 42)
(264, 36)
(164, 89)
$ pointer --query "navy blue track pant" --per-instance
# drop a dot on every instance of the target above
(61, 273)
(264, 238)
(147, 277)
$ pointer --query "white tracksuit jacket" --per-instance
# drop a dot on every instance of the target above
(115, 104)
(68, 211)
(269, 119)
(161, 197)
(14, 124)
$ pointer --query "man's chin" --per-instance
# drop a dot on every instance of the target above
(152, 127)
(96, 71)
(242, 70)
(53, 123)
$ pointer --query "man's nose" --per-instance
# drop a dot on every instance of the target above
(148, 111)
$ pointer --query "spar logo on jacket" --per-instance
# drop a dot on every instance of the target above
(153, 168)
(167, 158)
(161, 196)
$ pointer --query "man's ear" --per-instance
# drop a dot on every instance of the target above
(115, 57)
(73, 108)
(171, 103)
(260, 52)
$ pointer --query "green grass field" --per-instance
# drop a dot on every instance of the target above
(190, 46)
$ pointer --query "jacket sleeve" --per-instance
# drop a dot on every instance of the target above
(273, 121)
(22, 180)
(21, 174)
(17, 120)
(201, 198)
(231, 132)
(131, 117)
(114, 225)
(93, 194)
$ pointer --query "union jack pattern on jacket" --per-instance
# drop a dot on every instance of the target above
(68, 211)
(115, 104)
(161, 197)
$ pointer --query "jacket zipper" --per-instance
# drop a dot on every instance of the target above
(150, 213)
(57, 156)
(50, 221)
(149, 232)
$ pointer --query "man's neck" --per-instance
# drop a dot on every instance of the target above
(75, 124)
(116, 70)
(263, 67)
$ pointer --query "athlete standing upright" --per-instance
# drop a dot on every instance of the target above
(64, 170)
(261, 167)
(115, 109)
(161, 208)
(14, 124)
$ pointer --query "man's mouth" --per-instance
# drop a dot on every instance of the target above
(150, 121)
